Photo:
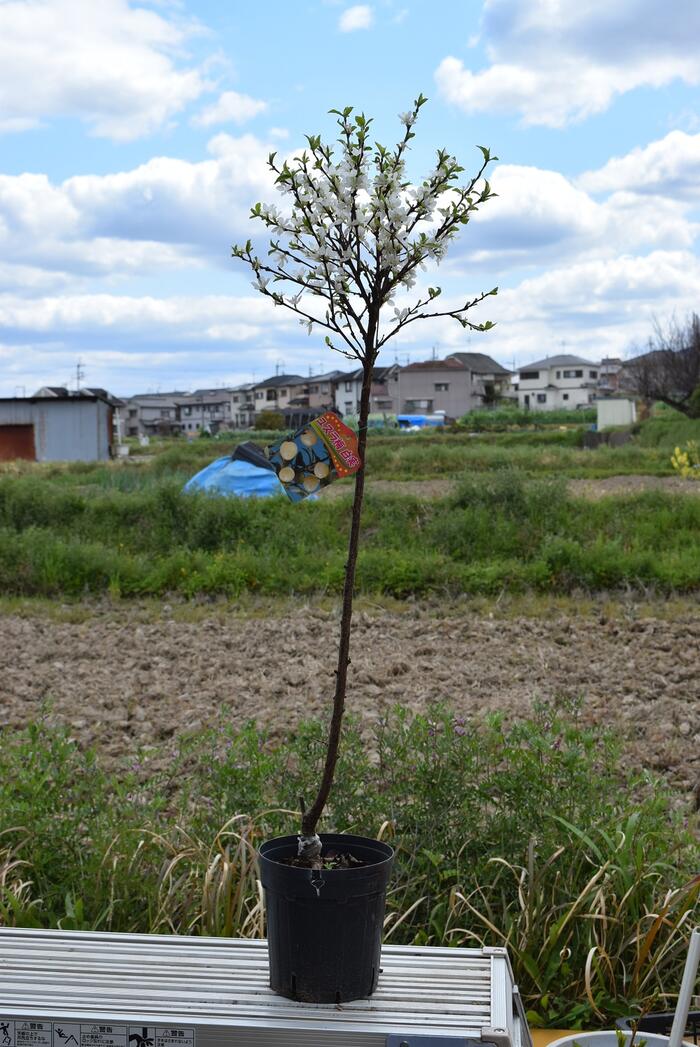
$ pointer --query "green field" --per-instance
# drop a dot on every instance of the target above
(508, 524)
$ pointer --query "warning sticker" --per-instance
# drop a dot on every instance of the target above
(18, 1032)
(102, 1036)
(174, 1038)
(33, 1034)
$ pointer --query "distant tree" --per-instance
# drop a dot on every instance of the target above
(352, 239)
(669, 369)
(269, 420)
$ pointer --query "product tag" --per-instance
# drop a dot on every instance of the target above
(314, 456)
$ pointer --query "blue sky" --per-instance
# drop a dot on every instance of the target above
(133, 139)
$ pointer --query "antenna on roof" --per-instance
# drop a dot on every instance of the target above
(79, 375)
(435, 348)
(277, 370)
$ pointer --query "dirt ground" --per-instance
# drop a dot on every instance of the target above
(124, 680)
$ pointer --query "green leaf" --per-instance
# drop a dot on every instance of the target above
(485, 152)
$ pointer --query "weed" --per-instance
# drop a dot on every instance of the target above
(536, 833)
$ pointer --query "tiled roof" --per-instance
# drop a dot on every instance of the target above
(450, 364)
(559, 361)
(480, 363)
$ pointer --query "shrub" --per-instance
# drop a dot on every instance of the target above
(507, 417)
(270, 420)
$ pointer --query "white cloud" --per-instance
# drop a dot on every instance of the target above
(203, 318)
(107, 62)
(131, 342)
(540, 217)
(558, 61)
(230, 107)
(596, 307)
(164, 214)
(360, 16)
(670, 167)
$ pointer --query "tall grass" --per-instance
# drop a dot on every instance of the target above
(591, 925)
(418, 456)
(502, 531)
(669, 430)
(538, 834)
(512, 417)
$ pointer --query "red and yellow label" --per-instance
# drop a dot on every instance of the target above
(340, 441)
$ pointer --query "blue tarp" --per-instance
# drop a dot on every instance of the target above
(421, 420)
(234, 477)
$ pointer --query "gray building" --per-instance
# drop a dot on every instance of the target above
(384, 391)
(490, 380)
(75, 427)
(438, 386)
(206, 410)
(322, 390)
(276, 393)
(151, 414)
(243, 406)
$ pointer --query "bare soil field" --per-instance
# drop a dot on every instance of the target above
(125, 681)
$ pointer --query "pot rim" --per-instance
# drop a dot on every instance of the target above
(328, 838)
(654, 1039)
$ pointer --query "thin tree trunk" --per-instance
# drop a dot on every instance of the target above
(311, 817)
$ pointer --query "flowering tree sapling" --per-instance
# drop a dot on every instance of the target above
(352, 240)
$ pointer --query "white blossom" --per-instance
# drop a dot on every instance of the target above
(352, 213)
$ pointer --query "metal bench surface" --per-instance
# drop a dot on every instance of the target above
(76, 989)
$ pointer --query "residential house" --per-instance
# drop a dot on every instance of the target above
(322, 389)
(384, 397)
(275, 393)
(609, 375)
(243, 406)
(58, 427)
(490, 380)
(205, 410)
(557, 382)
(438, 386)
(152, 414)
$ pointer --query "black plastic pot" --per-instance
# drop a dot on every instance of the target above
(324, 928)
